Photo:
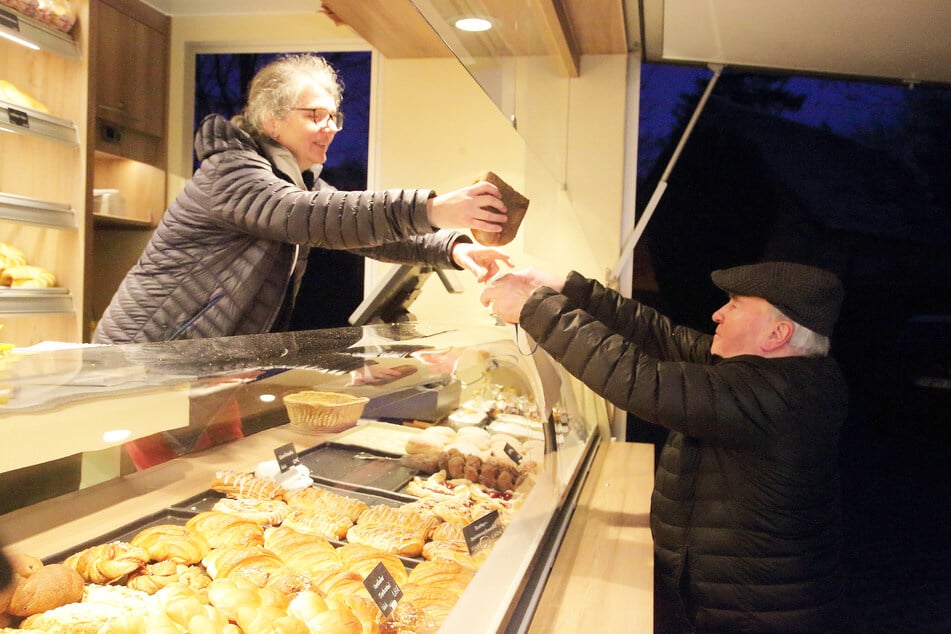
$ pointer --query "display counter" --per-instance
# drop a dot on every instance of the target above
(591, 493)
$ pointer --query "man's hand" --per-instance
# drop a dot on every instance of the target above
(477, 206)
(483, 262)
(509, 293)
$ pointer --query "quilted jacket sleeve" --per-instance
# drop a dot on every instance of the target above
(434, 249)
(241, 188)
(638, 360)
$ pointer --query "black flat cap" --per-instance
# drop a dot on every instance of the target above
(808, 295)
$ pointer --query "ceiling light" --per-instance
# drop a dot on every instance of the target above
(116, 435)
(267, 398)
(474, 25)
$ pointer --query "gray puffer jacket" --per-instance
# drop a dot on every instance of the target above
(745, 512)
(229, 253)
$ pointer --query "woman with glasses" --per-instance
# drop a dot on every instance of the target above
(230, 252)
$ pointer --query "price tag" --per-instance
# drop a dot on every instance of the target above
(18, 117)
(481, 533)
(286, 457)
(9, 19)
(512, 453)
(383, 589)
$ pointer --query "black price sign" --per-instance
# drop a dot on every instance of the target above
(18, 117)
(9, 19)
(383, 589)
(286, 456)
(481, 533)
(512, 453)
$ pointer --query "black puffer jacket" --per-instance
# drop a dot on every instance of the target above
(229, 253)
(745, 510)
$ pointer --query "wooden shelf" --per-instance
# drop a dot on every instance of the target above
(21, 120)
(103, 221)
(36, 212)
(34, 34)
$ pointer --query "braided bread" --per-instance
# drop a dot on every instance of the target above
(108, 563)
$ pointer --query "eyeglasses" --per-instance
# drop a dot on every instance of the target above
(323, 117)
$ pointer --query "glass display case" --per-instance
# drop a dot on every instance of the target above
(123, 417)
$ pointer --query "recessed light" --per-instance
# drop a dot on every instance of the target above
(267, 398)
(116, 435)
(474, 25)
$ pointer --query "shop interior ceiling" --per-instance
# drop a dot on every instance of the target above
(903, 41)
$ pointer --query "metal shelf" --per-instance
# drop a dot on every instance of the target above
(34, 34)
(36, 212)
(22, 120)
(35, 301)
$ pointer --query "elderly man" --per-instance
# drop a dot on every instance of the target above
(745, 510)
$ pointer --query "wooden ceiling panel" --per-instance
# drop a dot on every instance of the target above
(393, 27)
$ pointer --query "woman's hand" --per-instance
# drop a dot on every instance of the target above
(483, 262)
(477, 206)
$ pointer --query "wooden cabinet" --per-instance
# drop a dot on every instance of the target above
(43, 174)
(129, 52)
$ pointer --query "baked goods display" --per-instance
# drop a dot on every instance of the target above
(515, 204)
(58, 14)
(15, 271)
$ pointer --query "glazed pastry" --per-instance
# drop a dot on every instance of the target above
(388, 537)
(237, 484)
(323, 500)
(448, 530)
(321, 523)
(407, 519)
(362, 559)
(224, 529)
(172, 542)
(108, 563)
(270, 512)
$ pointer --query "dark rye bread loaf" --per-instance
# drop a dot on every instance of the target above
(515, 203)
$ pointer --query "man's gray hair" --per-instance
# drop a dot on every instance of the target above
(807, 342)
(275, 88)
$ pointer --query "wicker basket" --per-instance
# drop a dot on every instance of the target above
(321, 412)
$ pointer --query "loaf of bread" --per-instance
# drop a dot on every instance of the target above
(516, 205)
(46, 588)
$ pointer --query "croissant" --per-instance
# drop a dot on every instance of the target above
(225, 557)
(169, 541)
(388, 537)
(108, 563)
(269, 619)
(454, 550)
(280, 540)
(191, 611)
(323, 500)
(257, 568)
(224, 529)
(340, 584)
(447, 576)
(324, 524)
(434, 602)
(237, 484)
(229, 594)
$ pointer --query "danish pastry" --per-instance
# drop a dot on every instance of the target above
(324, 524)
(237, 484)
(388, 537)
(269, 512)
(172, 542)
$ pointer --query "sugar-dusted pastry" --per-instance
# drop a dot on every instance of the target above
(172, 542)
(238, 484)
(108, 563)
(225, 529)
(270, 512)
(405, 518)
(448, 530)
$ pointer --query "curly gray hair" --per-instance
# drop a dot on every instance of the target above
(275, 88)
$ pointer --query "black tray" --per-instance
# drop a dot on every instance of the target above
(337, 465)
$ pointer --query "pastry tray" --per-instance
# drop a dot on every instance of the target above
(347, 467)
(180, 512)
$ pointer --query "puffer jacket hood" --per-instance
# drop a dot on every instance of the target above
(231, 245)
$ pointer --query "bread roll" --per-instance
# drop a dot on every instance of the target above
(47, 588)
(516, 205)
